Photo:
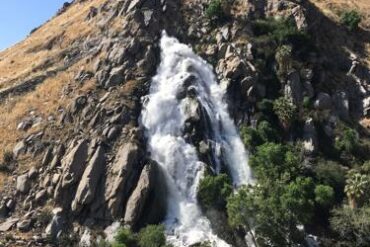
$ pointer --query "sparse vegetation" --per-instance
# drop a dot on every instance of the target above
(285, 110)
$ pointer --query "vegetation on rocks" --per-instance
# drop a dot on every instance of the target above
(351, 19)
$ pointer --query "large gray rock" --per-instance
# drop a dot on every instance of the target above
(138, 198)
(23, 183)
(90, 180)
(124, 170)
(7, 225)
(234, 68)
(24, 225)
(73, 165)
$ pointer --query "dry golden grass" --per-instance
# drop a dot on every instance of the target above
(17, 62)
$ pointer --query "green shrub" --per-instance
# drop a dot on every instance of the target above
(214, 11)
(214, 190)
(324, 195)
(253, 138)
(124, 237)
(152, 236)
(351, 19)
(7, 157)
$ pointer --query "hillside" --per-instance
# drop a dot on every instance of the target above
(106, 121)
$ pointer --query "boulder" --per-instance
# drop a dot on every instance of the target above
(24, 225)
(323, 102)
(23, 184)
(20, 148)
(32, 173)
(7, 225)
(138, 198)
(90, 180)
(124, 170)
(116, 77)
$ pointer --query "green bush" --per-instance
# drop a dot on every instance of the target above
(253, 138)
(351, 19)
(124, 237)
(214, 11)
(324, 195)
(214, 190)
(152, 236)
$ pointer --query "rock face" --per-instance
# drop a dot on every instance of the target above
(310, 141)
(90, 180)
(73, 165)
(124, 170)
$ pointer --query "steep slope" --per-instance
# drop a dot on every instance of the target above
(77, 139)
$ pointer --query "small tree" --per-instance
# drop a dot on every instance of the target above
(152, 236)
(351, 19)
(356, 187)
(215, 11)
(285, 110)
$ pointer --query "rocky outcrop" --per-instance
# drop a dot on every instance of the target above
(73, 165)
(124, 169)
(138, 198)
(90, 180)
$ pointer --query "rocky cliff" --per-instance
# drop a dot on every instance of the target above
(75, 156)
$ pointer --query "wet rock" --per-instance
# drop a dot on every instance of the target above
(23, 184)
(124, 169)
(90, 180)
(147, 16)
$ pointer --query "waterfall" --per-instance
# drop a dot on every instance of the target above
(164, 117)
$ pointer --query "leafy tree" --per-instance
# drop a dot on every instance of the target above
(352, 225)
(285, 110)
(351, 19)
(214, 190)
(255, 137)
(274, 161)
(324, 195)
(356, 186)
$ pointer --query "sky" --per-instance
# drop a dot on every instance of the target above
(19, 17)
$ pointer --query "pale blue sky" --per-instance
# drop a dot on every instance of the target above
(19, 17)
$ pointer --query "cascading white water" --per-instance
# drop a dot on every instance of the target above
(163, 117)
